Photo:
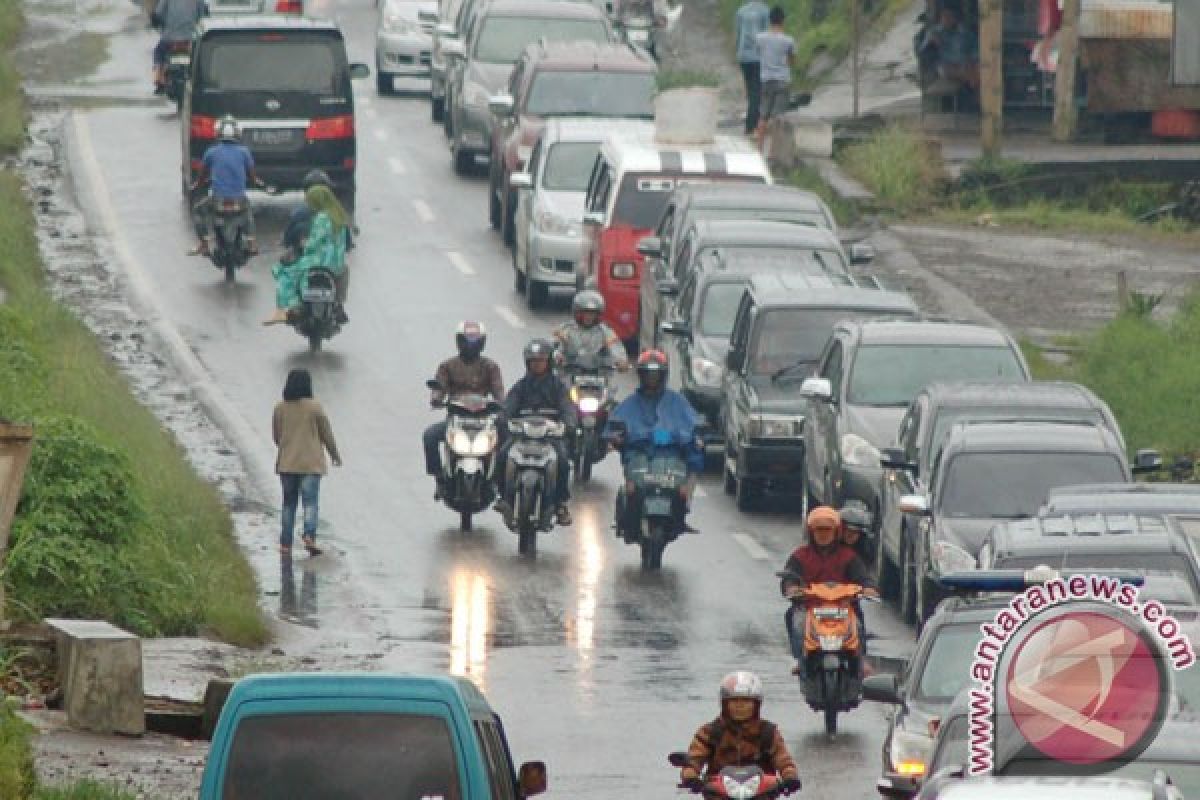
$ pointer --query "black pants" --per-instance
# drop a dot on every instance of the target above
(752, 77)
(433, 453)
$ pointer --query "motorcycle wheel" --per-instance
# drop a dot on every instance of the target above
(314, 342)
(464, 521)
(831, 700)
(584, 469)
(230, 273)
(652, 549)
(526, 525)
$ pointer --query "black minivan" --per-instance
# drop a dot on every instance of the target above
(287, 82)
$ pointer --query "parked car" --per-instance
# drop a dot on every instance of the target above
(782, 324)
(482, 60)
(287, 81)
(1123, 498)
(868, 375)
(631, 181)
(711, 243)
(560, 79)
(988, 472)
(548, 246)
(403, 41)
(448, 29)
(923, 430)
(362, 735)
(218, 8)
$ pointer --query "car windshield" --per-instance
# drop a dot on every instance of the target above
(285, 756)
(947, 667)
(787, 337)
(811, 217)
(272, 62)
(746, 258)
(569, 165)
(642, 197)
(951, 750)
(592, 93)
(1168, 577)
(892, 375)
(719, 307)
(1013, 485)
(502, 39)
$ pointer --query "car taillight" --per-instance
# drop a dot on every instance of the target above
(933, 725)
(331, 128)
(623, 271)
(203, 127)
(180, 47)
(289, 7)
(347, 163)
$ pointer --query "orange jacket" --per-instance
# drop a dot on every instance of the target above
(752, 743)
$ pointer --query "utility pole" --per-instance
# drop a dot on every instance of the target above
(1066, 116)
(855, 24)
(991, 75)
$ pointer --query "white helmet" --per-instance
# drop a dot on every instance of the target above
(228, 129)
(741, 684)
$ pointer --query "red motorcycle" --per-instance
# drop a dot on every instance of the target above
(734, 783)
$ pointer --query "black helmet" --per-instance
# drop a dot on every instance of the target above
(470, 338)
(855, 514)
(537, 348)
(589, 301)
(317, 177)
(653, 362)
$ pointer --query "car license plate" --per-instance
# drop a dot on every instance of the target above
(657, 507)
(180, 60)
(271, 137)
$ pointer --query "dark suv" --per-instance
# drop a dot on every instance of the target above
(287, 81)
(868, 375)
(1124, 498)
(782, 324)
(988, 472)
(553, 79)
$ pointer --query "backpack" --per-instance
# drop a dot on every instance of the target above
(766, 738)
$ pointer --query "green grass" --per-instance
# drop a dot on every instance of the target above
(898, 166)
(805, 177)
(686, 78)
(12, 100)
(84, 790)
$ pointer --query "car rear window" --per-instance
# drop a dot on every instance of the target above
(720, 307)
(501, 39)
(892, 375)
(569, 166)
(1013, 485)
(592, 93)
(273, 62)
(947, 668)
(1168, 577)
(642, 197)
(348, 755)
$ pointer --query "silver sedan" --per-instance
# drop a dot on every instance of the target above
(403, 39)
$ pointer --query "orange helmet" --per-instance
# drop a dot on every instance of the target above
(652, 363)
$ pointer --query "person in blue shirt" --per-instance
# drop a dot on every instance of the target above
(651, 416)
(751, 20)
(227, 166)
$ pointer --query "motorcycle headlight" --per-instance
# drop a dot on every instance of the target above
(909, 753)
(394, 23)
(741, 790)
(460, 442)
(549, 222)
(948, 557)
(858, 452)
(484, 443)
(764, 427)
(831, 642)
(707, 373)
(589, 405)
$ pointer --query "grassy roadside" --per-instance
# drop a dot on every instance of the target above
(113, 522)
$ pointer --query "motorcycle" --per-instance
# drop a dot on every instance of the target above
(833, 647)
(468, 453)
(319, 315)
(530, 476)
(227, 249)
(179, 67)
(591, 392)
(658, 474)
(735, 783)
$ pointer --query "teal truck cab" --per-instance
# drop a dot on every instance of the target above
(362, 736)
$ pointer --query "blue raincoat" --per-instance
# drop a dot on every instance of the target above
(666, 420)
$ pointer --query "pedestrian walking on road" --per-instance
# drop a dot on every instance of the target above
(303, 435)
(777, 56)
(752, 19)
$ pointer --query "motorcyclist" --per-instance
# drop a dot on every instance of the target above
(538, 389)
(856, 523)
(470, 372)
(823, 559)
(586, 335)
(301, 217)
(739, 737)
(177, 19)
(228, 166)
(653, 408)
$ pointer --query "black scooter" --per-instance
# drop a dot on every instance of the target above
(658, 473)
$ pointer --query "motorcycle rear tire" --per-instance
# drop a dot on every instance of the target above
(652, 550)
(831, 702)
(314, 342)
(464, 521)
(526, 526)
(230, 273)
(584, 471)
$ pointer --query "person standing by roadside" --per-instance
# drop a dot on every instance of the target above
(777, 55)
(303, 434)
(752, 19)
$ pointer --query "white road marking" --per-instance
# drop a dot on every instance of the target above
(397, 166)
(381, 134)
(752, 548)
(424, 212)
(460, 262)
(509, 316)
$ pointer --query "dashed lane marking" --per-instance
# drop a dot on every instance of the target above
(752, 548)
(424, 212)
(460, 262)
(509, 316)
(396, 165)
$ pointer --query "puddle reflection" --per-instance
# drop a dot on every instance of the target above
(304, 610)
(470, 615)
(591, 564)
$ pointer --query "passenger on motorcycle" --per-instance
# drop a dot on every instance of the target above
(177, 19)
(538, 389)
(470, 372)
(301, 217)
(228, 167)
(653, 407)
(739, 737)
(587, 335)
(325, 248)
(822, 560)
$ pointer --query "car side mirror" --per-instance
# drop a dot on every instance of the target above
(446, 30)
(531, 778)
(359, 71)
(914, 504)
(650, 246)
(676, 328)
(817, 389)
(861, 253)
(594, 218)
(881, 689)
(1147, 461)
(668, 288)
(520, 180)
(453, 48)
(734, 360)
(894, 458)
(501, 105)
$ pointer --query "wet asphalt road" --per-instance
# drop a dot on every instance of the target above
(596, 668)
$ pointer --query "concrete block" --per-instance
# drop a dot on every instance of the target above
(100, 672)
(795, 136)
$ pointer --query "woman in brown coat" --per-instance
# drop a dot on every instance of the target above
(302, 434)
